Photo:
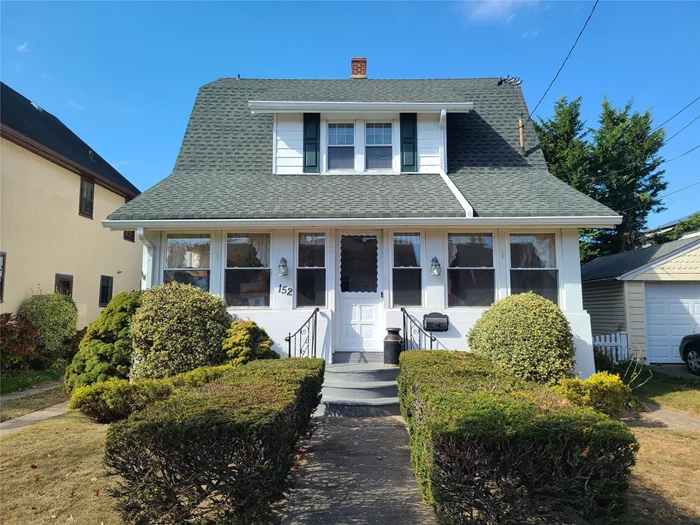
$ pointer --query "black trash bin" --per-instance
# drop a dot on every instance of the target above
(393, 344)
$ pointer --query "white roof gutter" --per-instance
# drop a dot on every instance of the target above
(276, 106)
(516, 222)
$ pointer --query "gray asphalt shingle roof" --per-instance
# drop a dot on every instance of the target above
(224, 168)
(613, 266)
(19, 113)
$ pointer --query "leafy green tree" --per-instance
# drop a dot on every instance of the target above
(690, 224)
(616, 163)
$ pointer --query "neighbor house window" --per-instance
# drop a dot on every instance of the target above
(311, 270)
(470, 273)
(3, 265)
(533, 265)
(378, 151)
(341, 146)
(130, 236)
(87, 197)
(63, 284)
(106, 282)
(187, 259)
(407, 273)
(247, 269)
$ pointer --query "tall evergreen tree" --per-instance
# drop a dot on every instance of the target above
(618, 166)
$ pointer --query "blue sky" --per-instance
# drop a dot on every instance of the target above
(124, 75)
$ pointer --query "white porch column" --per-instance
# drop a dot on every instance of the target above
(150, 262)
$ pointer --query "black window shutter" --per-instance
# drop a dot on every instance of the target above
(312, 142)
(409, 142)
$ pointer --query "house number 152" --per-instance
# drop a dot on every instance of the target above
(285, 290)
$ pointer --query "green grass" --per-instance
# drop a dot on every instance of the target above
(676, 393)
(24, 405)
(24, 380)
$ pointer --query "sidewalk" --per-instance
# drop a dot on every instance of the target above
(19, 394)
(31, 418)
(357, 471)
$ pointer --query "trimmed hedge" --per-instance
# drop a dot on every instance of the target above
(526, 335)
(218, 454)
(56, 317)
(487, 447)
(105, 351)
(246, 341)
(177, 328)
(116, 399)
(604, 392)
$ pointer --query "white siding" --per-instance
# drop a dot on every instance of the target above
(605, 303)
(289, 144)
(428, 130)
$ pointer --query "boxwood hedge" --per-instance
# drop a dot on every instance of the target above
(220, 453)
(487, 447)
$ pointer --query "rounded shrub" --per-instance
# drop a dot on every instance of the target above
(177, 328)
(55, 317)
(602, 391)
(246, 341)
(18, 343)
(527, 335)
(105, 350)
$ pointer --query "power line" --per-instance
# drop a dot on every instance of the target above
(677, 132)
(662, 196)
(674, 116)
(565, 60)
(682, 154)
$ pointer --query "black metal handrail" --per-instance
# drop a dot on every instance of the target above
(303, 341)
(414, 337)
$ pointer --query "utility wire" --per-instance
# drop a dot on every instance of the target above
(682, 154)
(677, 132)
(674, 116)
(662, 196)
(565, 60)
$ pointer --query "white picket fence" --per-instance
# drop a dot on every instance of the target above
(615, 345)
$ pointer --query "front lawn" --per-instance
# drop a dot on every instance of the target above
(52, 472)
(676, 393)
(19, 407)
(24, 380)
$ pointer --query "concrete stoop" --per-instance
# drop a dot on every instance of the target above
(359, 390)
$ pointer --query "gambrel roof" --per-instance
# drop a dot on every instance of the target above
(224, 168)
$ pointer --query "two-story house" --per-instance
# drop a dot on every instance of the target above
(54, 191)
(361, 197)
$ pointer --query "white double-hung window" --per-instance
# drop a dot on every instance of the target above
(341, 146)
(533, 265)
(378, 146)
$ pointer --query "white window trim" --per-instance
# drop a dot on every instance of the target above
(558, 254)
(164, 256)
(423, 275)
(446, 265)
(223, 267)
(295, 263)
(360, 144)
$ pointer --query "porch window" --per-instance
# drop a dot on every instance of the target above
(406, 273)
(187, 259)
(341, 146)
(248, 269)
(470, 275)
(311, 270)
(533, 265)
(378, 152)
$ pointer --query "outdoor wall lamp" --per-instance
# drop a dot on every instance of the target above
(435, 269)
(282, 270)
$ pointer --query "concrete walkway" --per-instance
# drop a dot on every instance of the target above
(19, 394)
(674, 370)
(357, 471)
(33, 417)
(659, 417)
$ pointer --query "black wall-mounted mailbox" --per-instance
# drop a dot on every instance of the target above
(436, 322)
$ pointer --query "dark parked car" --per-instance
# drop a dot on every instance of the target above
(690, 352)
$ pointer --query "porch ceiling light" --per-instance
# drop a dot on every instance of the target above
(435, 269)
(282, 269)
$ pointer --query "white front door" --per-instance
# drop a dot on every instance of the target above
(673, 311)
(359, 286)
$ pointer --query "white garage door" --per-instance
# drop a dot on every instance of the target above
(673, 310)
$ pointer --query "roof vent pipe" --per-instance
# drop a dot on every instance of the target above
(521, 129)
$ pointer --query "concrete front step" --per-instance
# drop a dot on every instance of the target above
(357, 357)
(339, 389)
(332, 407)
(361, 373)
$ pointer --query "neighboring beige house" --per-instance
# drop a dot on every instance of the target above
(54, 192)
(651, 293)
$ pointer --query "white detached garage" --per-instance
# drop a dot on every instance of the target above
(651, 293)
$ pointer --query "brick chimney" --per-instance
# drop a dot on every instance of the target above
(358, 67)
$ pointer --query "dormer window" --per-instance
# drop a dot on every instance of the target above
(378, 146)
(341, 146)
